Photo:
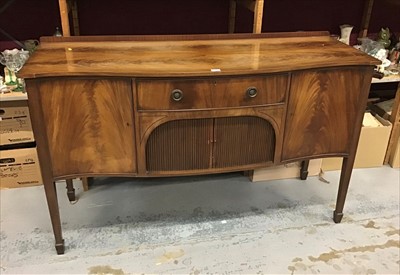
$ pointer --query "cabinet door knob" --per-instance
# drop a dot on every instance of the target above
(176, 95)
(251, 92)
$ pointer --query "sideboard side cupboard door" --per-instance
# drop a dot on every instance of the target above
(143, 106)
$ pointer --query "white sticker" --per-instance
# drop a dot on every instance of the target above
(216, 70)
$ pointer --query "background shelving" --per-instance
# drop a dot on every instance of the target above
(28, 19)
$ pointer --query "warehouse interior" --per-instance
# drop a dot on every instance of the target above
(260, 219)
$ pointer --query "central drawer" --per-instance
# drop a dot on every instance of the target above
(221, 92)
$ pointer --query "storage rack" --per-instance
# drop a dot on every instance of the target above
(256, 6)
(394, 118)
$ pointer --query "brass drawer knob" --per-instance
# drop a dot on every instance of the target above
(251, 92)
(177, 95)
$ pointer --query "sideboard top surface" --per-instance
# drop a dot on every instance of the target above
(190, 57)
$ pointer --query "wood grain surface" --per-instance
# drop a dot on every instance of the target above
(89, 125)
(199, 144)
(190, 57)
(241, 141)
(322, 111)
(217, 92)
(180, 145)
(180, 37)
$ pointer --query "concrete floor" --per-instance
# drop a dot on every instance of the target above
(208, 224)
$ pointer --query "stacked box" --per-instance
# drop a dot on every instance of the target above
(19, 167)
(19, 164)
(15, 123)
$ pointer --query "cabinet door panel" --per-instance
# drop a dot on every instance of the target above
(243, 140)
(89, 125)
(180, 145)
(322, 111)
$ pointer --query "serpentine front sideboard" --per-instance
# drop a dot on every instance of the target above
(196, 104)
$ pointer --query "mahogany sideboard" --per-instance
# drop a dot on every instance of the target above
(196, 104)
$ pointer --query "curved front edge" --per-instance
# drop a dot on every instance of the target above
(217, 141)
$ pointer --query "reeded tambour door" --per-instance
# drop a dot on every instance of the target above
(242, 141)
(180, 145)
(201, 144)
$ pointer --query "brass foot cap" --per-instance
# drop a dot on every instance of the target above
(60, 248)
(337, 217)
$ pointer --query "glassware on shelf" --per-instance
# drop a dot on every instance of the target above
(345, 31)
(14, 60)
(58, 32)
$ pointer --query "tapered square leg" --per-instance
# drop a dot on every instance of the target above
(304, 169)
(347, 168)
(51, 195)
(70, 190)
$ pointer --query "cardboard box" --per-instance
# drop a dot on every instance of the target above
(15, 123)
(384, 108)
(394, 160)
(372, 145)
(287, 171)
(19, 168)
(330, 164)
